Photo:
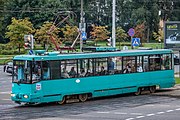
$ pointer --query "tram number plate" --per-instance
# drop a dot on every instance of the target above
(38, 86)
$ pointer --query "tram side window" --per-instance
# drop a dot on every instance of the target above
(167, 62)
(118, 65)
(69, 69)
(86, 67)
(111, 65)
(140, 63)
(55, 69)
(90, 67)
(155, 62)
(46, 70)
(129, 65)
(101, 66)
(145, 63)
(82, 67)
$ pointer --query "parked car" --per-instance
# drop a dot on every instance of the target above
(8, 67)
(176, 60)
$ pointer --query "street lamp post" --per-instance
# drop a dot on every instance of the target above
(114, 24)
(81, 26)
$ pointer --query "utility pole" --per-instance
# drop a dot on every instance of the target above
(81, 26)
(113, 24)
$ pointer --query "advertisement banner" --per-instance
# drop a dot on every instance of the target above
(172, 34)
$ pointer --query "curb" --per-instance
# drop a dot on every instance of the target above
(170, 92)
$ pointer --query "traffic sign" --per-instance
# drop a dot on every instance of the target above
(131, 32)
(84, 35)
(31, 52)
(136, 41)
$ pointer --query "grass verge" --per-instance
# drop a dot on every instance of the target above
(177, 80)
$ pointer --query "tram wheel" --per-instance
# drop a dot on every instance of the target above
(152, 89)
(83, 97)
(138, 92)
(62, 101)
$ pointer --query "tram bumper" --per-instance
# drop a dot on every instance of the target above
(26, 98)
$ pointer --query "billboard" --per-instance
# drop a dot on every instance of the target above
(172, 34)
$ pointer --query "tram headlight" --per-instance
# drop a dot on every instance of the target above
(25, 96)
(13, 95)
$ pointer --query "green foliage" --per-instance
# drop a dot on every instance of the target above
(70, 32)
(100, 33)
(140, 32)
(90, 43)
(177, 80)
(2, 18)
(129, 13)
(121, 34)
(17, 29)
(159, 36)
(43, 34)
(8, 49)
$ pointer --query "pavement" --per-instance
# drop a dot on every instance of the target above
(171, 92)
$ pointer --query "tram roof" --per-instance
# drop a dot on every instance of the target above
(59, 56)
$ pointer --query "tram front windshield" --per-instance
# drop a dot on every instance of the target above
(26, 72)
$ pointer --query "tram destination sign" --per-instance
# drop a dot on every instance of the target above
(172, 35)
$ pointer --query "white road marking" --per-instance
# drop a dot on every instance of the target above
(139, 114)
(129, 118)
(169, 110)
(8, 92)
(119, 113)
(140, 117)
(150, 115)
(7, 99)
(103, 112)
(160, 112)
(136, 113)
(177, 109)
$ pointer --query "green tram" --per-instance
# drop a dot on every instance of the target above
(54, 77)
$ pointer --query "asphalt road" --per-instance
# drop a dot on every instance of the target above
(121, 107)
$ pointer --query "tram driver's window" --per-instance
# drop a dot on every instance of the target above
(46, 70)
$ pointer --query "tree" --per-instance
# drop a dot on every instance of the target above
(43, 37)
(146, 12)
(70, 33)
(121, 35)
(17, 29)
(159, 36)
(2, 27)
(140, 32)
(99, 33)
